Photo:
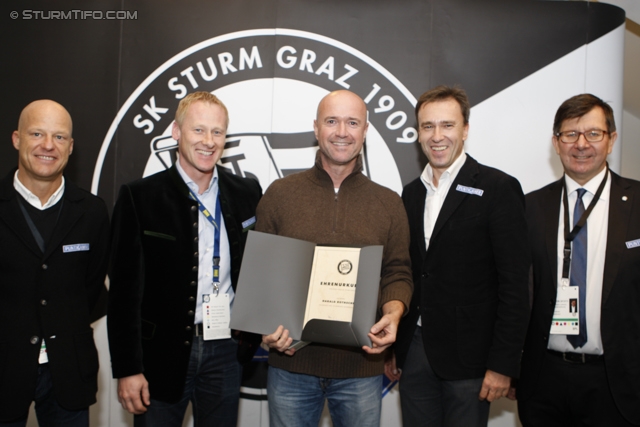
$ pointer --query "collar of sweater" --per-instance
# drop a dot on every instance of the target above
(354, 179)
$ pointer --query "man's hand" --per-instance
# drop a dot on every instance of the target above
(383, 333)
(133, 394)
(279, 340)
(512, 392)
(390, 369)
(494, 386)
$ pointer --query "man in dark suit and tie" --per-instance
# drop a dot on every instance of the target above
(584, 232)
(178, 238)
(53, 261)
(460, 345)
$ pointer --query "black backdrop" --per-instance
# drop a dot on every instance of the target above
(91, 66)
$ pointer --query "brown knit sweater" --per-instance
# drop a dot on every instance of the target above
(305, 206)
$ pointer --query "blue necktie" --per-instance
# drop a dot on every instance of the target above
(579, 272)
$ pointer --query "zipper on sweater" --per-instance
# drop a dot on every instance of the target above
(335, 212)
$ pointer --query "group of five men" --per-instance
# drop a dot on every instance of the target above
(461, 249)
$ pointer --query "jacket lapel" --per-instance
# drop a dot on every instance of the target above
(619, 217)
(550, 207)
(416, 215)
(12, 216)
(70, 214)
(467, 176)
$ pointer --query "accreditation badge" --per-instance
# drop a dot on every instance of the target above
(565, 316)
(216, 316)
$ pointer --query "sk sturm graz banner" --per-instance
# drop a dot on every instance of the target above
(271, 81)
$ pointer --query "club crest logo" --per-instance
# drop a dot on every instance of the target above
(271, 81)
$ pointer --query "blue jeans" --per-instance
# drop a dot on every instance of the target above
(48, 412)
(298, 399)
(430, 401)
(212, 386)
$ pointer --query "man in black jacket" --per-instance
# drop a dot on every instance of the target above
(589, 375)
(460, 344)
(178, 238)
(53, 260)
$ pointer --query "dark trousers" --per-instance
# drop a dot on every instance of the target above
(48, 411)
(571, 395)
(430, 401)
(212, 386)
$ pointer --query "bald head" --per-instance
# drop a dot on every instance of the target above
(44, 143)
(344, 98)
(45, 107)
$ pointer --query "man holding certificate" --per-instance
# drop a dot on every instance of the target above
(333, 203)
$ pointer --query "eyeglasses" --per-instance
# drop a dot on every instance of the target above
(572, 136)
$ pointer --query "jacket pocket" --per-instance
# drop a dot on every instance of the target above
(148, 329)
(474, 330)
(87, 356)
(159, 235)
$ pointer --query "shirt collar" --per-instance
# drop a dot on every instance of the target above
(213, 184)
(451, 172)
(32, 199)
(591, 186)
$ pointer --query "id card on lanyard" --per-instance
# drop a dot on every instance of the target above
(566, 315)
(216, 314)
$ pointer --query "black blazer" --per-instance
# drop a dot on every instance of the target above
(620, 310)
(50, 296)
(154, 273)
(470, 287)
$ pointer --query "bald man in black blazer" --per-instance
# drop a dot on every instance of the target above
(54, 245)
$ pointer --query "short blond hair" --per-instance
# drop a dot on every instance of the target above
(202, 96)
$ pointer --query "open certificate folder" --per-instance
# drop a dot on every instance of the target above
(320, 293)
(332, 287)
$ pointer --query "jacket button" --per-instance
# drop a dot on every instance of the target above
(188, 328)
(34, 339)
(195, 239)
(195, 254)
(186, 343)
(193, 283)
(550, 302)
(191, 299)
(190, 312)
(195, 225)
(194, 268)
(193, 208)
(43, 302)
(45, 266)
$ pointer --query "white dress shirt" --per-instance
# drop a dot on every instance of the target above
(597, 225)
(206, 237)
(35, 200)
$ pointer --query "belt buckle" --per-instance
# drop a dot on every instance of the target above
(583, 358)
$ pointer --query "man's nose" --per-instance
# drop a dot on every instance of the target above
(342, 129)
(582, 141)
(438, 135)
(48, 143)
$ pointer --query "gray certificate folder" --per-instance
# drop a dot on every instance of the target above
(273, 287)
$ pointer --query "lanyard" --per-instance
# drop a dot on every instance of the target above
(570, 235)
(215, 221)
(34, 230)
